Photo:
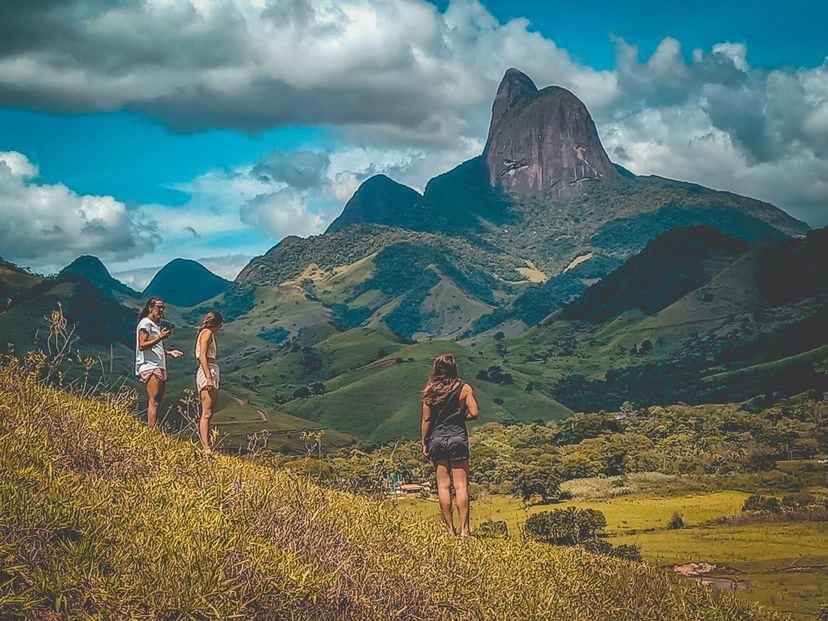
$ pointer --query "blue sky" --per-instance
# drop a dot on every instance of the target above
(212, 131)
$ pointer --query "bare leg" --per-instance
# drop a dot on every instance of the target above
(460, 479)
(209, 400)
(444, 494)
(155, 393)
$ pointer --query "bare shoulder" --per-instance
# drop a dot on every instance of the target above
(467, 390)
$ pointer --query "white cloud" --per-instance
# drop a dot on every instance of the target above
(388, 65)
(719, 122)
(46, 224)
(282, 213)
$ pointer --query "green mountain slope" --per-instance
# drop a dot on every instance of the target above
(92, 269)
(742, 334)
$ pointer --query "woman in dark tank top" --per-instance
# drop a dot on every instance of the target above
(448, 402)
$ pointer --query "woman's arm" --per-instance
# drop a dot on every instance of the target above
(425, 426)
(145, 342)
(203, 342)
(470, 403)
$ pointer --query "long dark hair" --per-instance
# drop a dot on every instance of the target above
(150, 303)
(213, 319)
(442, 381)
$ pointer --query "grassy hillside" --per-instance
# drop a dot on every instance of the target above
(105, 519)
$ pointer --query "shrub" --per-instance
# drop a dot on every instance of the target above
(628, 552)
(566, 527)
(676, 522)
(541, 482)
(761, 504)
(797, 501)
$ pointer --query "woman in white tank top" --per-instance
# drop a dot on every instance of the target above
(207, 376)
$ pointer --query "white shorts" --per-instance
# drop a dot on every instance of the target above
(201, 380)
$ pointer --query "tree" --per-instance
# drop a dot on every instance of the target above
(566, 527)
(538, 482)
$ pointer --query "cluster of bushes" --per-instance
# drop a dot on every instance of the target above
(576, 527)
(495, 375)
(531, 461)
(756, 503)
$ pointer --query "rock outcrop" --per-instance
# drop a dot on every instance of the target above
(542, 140)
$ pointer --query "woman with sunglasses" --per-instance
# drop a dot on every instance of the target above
(150, 355)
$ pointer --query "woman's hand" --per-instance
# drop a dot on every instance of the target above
(176, 353)
(424, 449)
(165, 334)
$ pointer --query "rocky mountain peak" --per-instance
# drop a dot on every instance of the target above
(514, 87)
(542, 140)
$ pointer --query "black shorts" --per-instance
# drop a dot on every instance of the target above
(452, 448)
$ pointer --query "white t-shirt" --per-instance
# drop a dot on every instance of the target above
(153, 358)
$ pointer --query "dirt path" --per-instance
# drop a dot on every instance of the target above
(377, 364)
(238, 400)
(262, 414)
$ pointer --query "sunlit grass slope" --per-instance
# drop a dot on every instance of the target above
(101, 518)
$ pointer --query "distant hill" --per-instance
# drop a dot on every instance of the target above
(753, 327)
(95, 272)
(13, 280)
(379, 200)
(669, 267)
(185, 283)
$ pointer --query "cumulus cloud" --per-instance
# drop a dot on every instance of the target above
(303, 170)
(282, 213)
(50, 224)
(720, 122)
(390, 65)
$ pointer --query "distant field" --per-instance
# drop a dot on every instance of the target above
(762, 554)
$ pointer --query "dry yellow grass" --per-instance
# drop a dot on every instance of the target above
(102, 518)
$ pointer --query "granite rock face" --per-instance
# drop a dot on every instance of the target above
(542, 140)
